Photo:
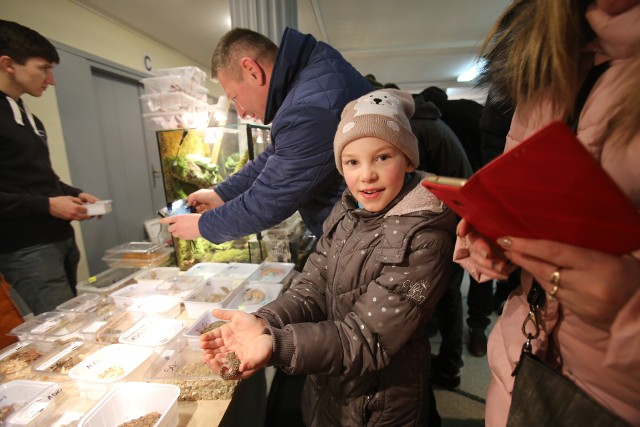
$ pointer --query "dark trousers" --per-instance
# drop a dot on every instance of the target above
(44, 275)
(449, 318)
(480, 303)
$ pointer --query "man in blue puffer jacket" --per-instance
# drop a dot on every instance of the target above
(300, 88)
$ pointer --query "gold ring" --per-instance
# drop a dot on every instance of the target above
(555, 278)
(552, 294)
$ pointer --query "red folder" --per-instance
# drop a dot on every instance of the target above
(547, 187)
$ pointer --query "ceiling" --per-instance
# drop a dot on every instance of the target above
(412, 43)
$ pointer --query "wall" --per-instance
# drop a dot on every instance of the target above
(67, 22)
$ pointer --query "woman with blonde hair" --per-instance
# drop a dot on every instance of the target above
(576, 61)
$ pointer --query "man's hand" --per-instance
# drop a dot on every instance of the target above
(204, 200)
(183, 226)
(68, 208)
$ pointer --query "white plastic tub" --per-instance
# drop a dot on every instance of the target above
(272, 272)
(205, 323)
(115, 362)
(215, 293)
(30, 402)
(133, 400)
(180, 286)
(153, 332)
(206, 269)
(128, 295)
(101, 207)
(155, 276)
(157, 305)
(238, 270)
(251, 296)
(194, 73)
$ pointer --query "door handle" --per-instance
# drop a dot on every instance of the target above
(155, 174)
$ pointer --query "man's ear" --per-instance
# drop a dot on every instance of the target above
(252, 71)
(6, 63)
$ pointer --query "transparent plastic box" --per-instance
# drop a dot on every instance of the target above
(180, 365)
(166, 120)
(81, 303)
(153, 332)
(112, 331)
(215, 293)
(70, 329)
(101, 207)
(75, 405)
(128, 295)
(103, 317)
(27, 403)
(157, 305)
(173, 83)
(206, 269)
(272, 272)
(112, 363)
(56, 365)
(180, 286)
(137, 255)
(19, 356)
(36, 327)
(131, 401)
(251, 296)
(193, 73)
(205, 323)
(238, 270)
(171, 102)
(155, 276)
(108, 281)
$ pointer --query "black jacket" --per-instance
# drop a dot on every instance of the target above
(27, 180)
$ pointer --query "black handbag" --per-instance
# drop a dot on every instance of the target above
(542, 396)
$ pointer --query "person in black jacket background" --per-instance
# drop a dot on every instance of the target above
(38, 253)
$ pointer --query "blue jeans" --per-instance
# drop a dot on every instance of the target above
(44, 275)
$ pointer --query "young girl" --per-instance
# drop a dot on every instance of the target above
(355, 319)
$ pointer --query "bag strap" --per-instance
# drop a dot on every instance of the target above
(537, 296)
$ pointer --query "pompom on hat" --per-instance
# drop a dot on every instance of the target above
(383, 114)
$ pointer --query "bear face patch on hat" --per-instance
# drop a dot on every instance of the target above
(383, 114)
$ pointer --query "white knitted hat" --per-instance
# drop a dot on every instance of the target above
(383, 114)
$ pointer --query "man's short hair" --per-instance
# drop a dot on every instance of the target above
(22, 43)
(241, 42)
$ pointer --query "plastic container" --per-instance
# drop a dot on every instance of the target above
(112, 363)
(70, 329)
(81, 303)
(155, 276)
(215, 293)
(180, 286)
(101, 207)
(177, 120)
(272, 272)
(157, 305)
(153, 332)
(112, 331)
(173, 83)
(205, 323)
(238, 270)
(137, 255)
(27, 403)
(108, 281)
(206, 269)
(19, 356)
(193, 73)
(251, 296)
(36, 327)
(56, 365)
(180, 365)
(128, 402)
(128, 295)
(171, 102)
(103, 317)
(74, 406)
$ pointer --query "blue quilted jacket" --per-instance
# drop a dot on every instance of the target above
(310, 85)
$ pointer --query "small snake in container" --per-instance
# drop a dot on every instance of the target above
(231, 367)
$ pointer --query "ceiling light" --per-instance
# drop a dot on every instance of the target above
(472, 72)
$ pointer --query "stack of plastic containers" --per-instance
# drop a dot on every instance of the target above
(176, 99)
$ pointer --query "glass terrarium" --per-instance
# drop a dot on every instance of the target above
(201, 158)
